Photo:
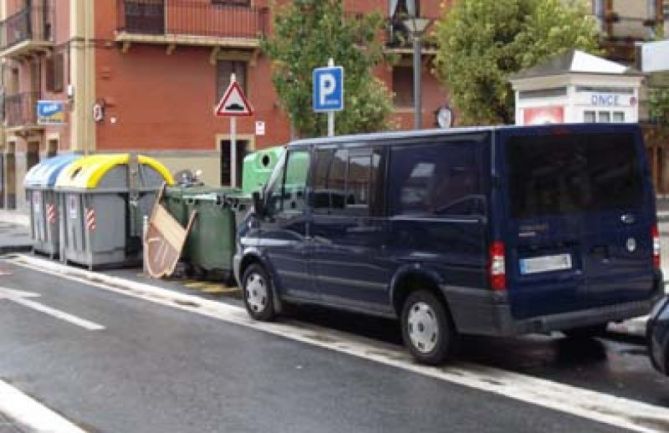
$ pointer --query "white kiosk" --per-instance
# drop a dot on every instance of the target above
(577, 87)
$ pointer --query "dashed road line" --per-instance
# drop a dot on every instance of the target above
(593, 405)
(19, 297)
(31, 414)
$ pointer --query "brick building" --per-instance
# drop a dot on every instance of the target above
(157, 69)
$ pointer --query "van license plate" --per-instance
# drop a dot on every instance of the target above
(536, 265)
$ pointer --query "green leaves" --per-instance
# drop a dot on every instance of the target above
(658, 104)
(482, 42)
(306, 34)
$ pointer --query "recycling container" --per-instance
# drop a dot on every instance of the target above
(39, 185)
(210, 245)
(257, 168)
(102, 199)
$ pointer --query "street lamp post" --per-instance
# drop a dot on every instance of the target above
(416, 27)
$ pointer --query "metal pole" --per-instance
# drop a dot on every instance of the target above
(331, 120)
(233, 151)
(233, 144)
(418, 107)
(331, 114)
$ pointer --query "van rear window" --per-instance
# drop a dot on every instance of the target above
(566, 174)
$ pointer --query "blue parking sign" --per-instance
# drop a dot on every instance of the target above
(328, 85)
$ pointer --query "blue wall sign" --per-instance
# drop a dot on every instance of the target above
(50, 112)
(328, 85)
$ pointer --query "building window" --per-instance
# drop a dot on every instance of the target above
(55, 73)
(604, 117)
(403, 86)
(223, 71)
(589, 117)
(618, 116)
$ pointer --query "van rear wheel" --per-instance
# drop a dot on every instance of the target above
(585, 332)
(258, 293)
(427, 328)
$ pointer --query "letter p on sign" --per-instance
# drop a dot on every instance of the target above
(328, 89)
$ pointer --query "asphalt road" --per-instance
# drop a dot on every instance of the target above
(158, 369)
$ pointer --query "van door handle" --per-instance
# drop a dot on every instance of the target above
(627, 218)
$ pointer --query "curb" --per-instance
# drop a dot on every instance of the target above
(123, 285)
(9, 249)
(635, 327)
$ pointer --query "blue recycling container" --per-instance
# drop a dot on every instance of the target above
(43, 204)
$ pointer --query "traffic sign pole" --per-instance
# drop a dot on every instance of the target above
(331, 114)
(233, 104)
(233, 151)
(331, 125)
(233, 144)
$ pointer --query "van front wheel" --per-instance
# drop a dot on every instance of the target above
(257, 292)
(427, 329)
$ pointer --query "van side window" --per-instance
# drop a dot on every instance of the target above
(286, 188)
(274, 185)
(344, 181)
(438, 179)
(295, 183)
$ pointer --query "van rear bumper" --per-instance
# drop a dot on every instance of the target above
(489, 313)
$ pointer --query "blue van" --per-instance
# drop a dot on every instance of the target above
(489, 231)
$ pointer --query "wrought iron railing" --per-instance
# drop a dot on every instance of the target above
(229, 19)
(21, 109)
(30, 23)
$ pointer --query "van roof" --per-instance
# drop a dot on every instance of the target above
(398, 135)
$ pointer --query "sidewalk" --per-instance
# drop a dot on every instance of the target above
(14, 232)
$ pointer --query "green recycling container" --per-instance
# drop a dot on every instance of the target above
(210, 245)
(258, 166)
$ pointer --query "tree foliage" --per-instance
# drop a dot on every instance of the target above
(658, 104)
(482, 42)
(306, 34)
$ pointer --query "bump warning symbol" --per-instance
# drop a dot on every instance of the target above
(233, 102)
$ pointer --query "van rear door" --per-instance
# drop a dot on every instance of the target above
(580, 212)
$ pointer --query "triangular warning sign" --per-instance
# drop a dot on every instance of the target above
(233, 102)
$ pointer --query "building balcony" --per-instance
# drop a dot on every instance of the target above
(20, 111)
(209, 23)
(27, 32)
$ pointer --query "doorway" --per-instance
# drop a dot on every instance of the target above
(243, 148)
(10, 178)
(32, 156)
(52, 147)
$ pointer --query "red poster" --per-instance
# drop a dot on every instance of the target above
(543, 115)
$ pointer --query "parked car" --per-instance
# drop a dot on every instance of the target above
(658, 335)
(489, 231)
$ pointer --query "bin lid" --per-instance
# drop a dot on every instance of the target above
(88, 172)
(46, 172)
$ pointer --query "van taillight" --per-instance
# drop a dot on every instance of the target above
(655, 235)
(497, 270)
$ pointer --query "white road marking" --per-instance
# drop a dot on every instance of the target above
(19, 297)
(29, 413)
(596, 406)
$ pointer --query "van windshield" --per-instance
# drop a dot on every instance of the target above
(566, 174)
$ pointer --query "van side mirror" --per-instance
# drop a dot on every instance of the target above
(258, 204)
